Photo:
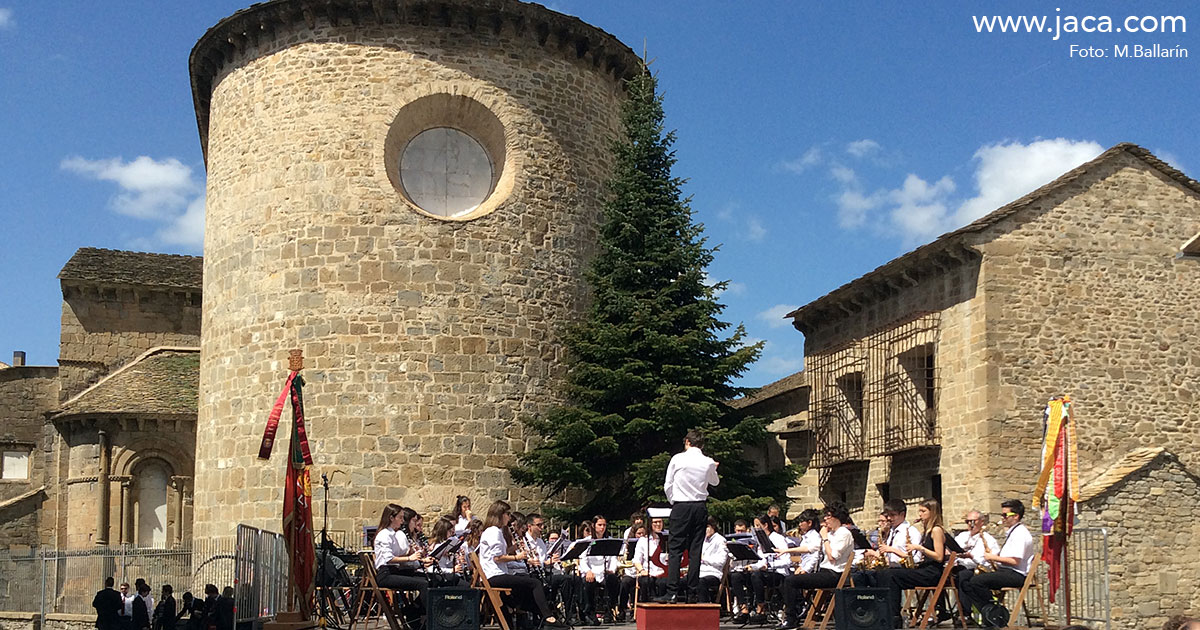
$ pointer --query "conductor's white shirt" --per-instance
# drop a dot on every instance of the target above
(689, 475)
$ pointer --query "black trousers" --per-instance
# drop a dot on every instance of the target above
(709, 585)
(649, 587)
(897, 580)
(568, 587)
(408, 580)
(625, 596)
(527, 592)
(688, 520)
(739, 584)
(601, 594)
(794, 585)
(976, 589)
(760, 580)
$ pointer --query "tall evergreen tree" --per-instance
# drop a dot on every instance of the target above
(648, 360)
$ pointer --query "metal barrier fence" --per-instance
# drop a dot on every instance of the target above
(1088, 558)
(260, 573)
(57, 581)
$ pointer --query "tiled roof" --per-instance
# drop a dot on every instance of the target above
(954, 240)
(1133, 461)
(771, 390)
(112, 266)
(163, 381)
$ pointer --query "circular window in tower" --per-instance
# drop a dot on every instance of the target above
(446, 172)
(448, 157)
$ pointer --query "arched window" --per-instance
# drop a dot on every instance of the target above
(152, 479)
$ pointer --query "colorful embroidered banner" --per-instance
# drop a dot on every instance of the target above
(1057, 487)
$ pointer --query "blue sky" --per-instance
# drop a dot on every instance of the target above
(819, 141)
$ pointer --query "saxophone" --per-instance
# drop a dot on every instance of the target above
(985, 566)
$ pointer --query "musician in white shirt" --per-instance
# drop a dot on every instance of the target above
(976, 542)
(397, 562)
(712, 562)
(739, 578)
(810, 542)
(461, 514)
(689, 474)
(649, 557)
(600, 578)
(771, 570)
(837, 547)
(1012, 561)
(495, 555)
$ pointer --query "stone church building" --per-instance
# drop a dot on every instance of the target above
(107, 438)
(927, 377)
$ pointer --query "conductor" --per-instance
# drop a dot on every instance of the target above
(689, 475)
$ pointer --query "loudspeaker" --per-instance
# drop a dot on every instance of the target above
(452, 608)
(862, 609)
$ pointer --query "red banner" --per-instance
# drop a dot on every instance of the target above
(297, 507)
(268, 441)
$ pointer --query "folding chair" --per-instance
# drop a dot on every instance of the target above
(492, 593)
(932, 594)
(810, 619)
(368, 587)
(1029, 582)
(724, 587)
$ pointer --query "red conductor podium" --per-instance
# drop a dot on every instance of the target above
(678, 616)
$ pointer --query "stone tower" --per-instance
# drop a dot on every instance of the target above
(408, 191)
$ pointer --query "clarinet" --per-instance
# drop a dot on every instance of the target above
(519, 542)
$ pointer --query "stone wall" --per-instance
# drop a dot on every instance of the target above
(103, 327)
(26, 394)
(951, 293)
(1086, 296)
(1153, 531)
(425, 339)
(133, 443)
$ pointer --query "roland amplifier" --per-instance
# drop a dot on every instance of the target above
(453, 608)
(862, 609)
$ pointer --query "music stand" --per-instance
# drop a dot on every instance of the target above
(742, 552)
(860, 539)
(450, 545)
(577, 548)
(605, 547)
(631, 547)
(764, 541)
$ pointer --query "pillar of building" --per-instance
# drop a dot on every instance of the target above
(126, 512)
(177, 508)
(102, 479)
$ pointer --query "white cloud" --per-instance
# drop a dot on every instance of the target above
(754, 230)
(750, 341)
(155, 190)
(921, 209)
(186, 229)
(853, 207)
(811, 157)
(1007, 171)
(6, 18)
(843, 174)
(862, 148)
(774, 316)
(149, 189)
